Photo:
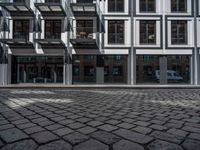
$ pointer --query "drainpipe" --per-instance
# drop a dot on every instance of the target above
(195, 50)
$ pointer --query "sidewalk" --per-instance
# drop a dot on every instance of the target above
(174, 86)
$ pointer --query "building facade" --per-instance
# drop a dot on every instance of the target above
(100, 41)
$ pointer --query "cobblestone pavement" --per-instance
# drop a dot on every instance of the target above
(100, 119)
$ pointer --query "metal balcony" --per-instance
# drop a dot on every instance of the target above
(51, 7)
(19, 41)
(84, 38)
(83, 9)
(51, 41)
(17, 7)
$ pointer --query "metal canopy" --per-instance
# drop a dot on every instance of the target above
(51, 43)
(17, 43)
(84, 43)
(83, 9)
(17, 9)
(50, 9)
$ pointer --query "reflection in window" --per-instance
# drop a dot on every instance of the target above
(117, 71)
(53, 29)
(116, 5)
(89, 71)
(147, 6)
(179, 32)
(147, 32)
(178, 5)
(115, 32)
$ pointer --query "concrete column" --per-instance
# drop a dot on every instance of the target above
(132, 67)
(3, 74)
(67, 69)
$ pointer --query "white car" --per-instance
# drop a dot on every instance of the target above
(172, 76)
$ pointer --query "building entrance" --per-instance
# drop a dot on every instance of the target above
(40, 69)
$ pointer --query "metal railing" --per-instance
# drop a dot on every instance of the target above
(83, 33)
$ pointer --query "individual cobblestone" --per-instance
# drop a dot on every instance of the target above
(56, 145)
(127, 145)
(76, 138)
(163, 145)
(44, 137)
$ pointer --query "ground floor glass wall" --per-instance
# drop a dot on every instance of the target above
(153, 69)
(115, 68)
(37, 69)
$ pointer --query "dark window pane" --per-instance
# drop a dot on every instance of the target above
(116, 32)
(147, 5)
(179, 32)
(21, 29)
(116, 5)
(147, 32)
(178, 5)
(53, 29)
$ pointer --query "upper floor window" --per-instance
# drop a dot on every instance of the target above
(21, 29)
(115, 5)
(18, 1)
(147, 5)
(84, 29)
(178, 5)
(179, 32)
(53, 29)
(115, 32)
(147, 32)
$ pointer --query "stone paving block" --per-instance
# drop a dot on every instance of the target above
(163, 145)
(105, 137)
(87, 130)
(54, 127)
(142, 130)
(126, 125)
(34, 129)
(56, 145)
(63, 131)
(21, 145)
(142, 123)
(76, 125)
(191, 129)
(83, 120)
(178, 132)
(195, 136)
(91, 145)
(95, 123)
(133, 136)
(76, 138)
(26, 125)
(113, 122)
(45, 123)
(66, 121)
(2, 122)
(167, 137)
(12, 135)
(107, 127)
(44, 137)
(6, 126)
(157, 122)
(190, 144)
(21, 121)
(157, 127)
(127, 145)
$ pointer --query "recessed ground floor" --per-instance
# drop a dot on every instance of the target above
(102, 69)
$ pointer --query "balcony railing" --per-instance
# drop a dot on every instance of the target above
(21, 35)
(83, 33)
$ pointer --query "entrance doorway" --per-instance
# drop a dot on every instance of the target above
(40, 69)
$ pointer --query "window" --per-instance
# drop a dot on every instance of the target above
(147, 6)
(52, 1)
(115, 5)
(147, 32)
(52, 29)
(117, 71)
(21, 29)
(178, 5)
(89, 71)
(116, 32)
(179, 32)
(84, 29)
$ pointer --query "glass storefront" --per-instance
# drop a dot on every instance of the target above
(147, 69)
(84, 68)
(153, 69)
(40, 69)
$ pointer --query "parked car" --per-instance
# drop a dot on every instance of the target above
(172, 76)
